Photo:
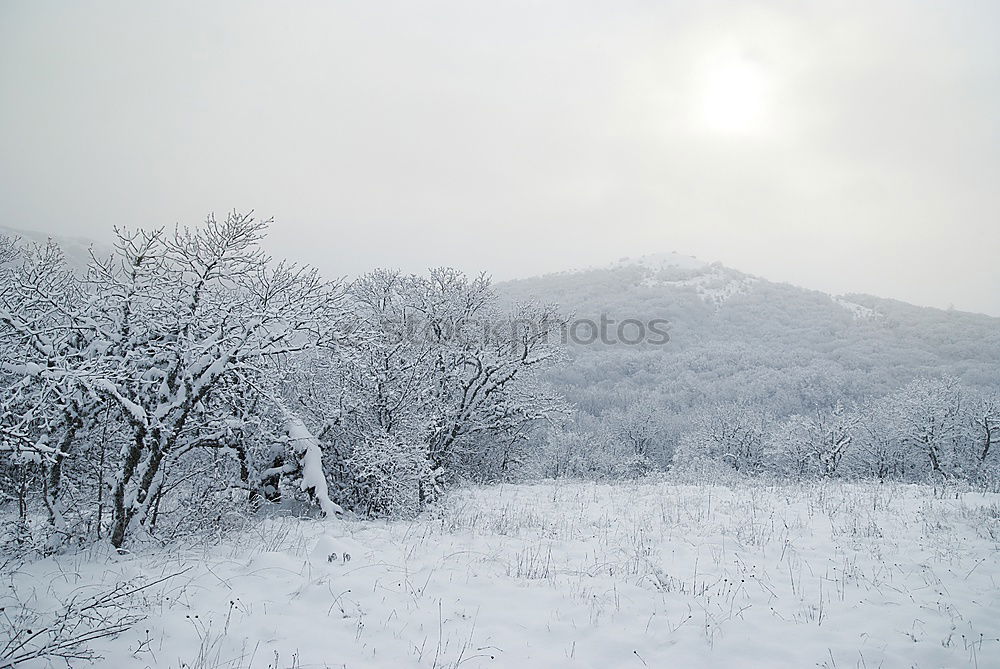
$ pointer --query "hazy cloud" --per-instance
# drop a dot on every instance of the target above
(849, 146)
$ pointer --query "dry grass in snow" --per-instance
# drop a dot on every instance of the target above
(562, 574)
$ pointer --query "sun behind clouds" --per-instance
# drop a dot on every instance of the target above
(734, 97)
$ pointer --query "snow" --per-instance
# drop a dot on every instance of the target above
(859, 311)
(660, 261)
(651, 574)
(137, 413)
(715, 285)
(311, 457)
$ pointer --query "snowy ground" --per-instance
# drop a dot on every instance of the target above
(572, 575)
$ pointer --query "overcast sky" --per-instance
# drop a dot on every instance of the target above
(843, 146)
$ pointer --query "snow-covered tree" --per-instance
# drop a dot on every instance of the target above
(639, 427)
(181, 314)
(930, 424)
(733, 433)
(47, 358)
(983, 425)
(813, 443)
(876, 450)
(435, 365)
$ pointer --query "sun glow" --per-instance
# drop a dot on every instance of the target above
(734, 97)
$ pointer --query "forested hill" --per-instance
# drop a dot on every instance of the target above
(76, 249)
(736, 336)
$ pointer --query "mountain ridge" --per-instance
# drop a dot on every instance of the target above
(672, 260)
(77, 249)
(734, 336)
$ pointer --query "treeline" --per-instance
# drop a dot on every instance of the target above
(187, 375)
(775, 346)
(753, 383)
(931, 429)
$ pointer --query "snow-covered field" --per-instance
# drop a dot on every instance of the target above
(561, 574)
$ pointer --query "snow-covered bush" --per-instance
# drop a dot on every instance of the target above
(388, 474)
(595, 453)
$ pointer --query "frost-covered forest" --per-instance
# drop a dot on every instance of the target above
(768, 377)
(186, 374)
(184, 392)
